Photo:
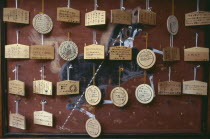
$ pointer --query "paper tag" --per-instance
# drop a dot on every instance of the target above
(93, 95)
(196, 54)
(197, 18)
(42, 52)
(16, 51)
(66, 14)
(17, 87)
(67, 87)
(169, 88)
(171, 54)
(96, 17)
(121, 17)
(16, 15)
(144, 94)
(18, 121)
(94, 51)
(119, 96)
(146, 17)
(120, 53)
(43, 118)
(93, 127)
(146, 58)
(42, 23)
(195, 87)
(42, 87)
(68, 50)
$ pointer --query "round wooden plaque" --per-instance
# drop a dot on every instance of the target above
(144, 93)
(93, 127)
(119, 96)
(42, 23)
(146, 58)
(68, 50)
(93, 95)
(172, 25)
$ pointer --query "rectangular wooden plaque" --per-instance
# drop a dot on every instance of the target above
(196, 54)
(171, 54)
(195, 87)
(42, 87)
(197, 18)
(67, 87)
(17, 51)
(146, 17)
(18, 121)
(16, 15)
(66, 14)
(94, 51)
(121, 17)
(169, 88)
(43, 118)
(17, 87)
(120, 53)
(96, 17)
(42, 52)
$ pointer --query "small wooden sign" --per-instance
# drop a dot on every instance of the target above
(17, 51)
(119, 16)
(169, 88)
(144, 94)
(18, 121)
(171, 54)
(93, 95)
(43, 118)
(16, 15)
(42, 87)
(146, 17)
(119, 96)
(195, 87)
(17, 87)
(120, 53)
(93, 127)
(146, 58)
(42, 52)
(96, 17)
(197, 18)
(94, 51)
(196, 54)
(66, 14)
(67, 87)
(42, 23)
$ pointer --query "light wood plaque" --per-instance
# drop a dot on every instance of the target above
(195, 87)
(196, 54)
(172, 25)
(42, 87)
(68, 50)
(67, 87)
(146, 58)
(17, 87)
(171, 54)
(144, 94)
(43, 118)
(42, 52)
(120, 53)
(18, 121)
(93, 127)
(16, 15)
(18, 51)
(197, 18)
(169, 88)
(96, 17)
(119, 96)
(66, 14)
(94, 51)
(146, 17)
(93, 95)
(119, 16)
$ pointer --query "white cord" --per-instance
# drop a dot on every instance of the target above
(68, 4)
(198, 3)
(196, 40)
(169, 73)
(17, 36)
(171, 41)
(195, 71)
(16, 106)
(95, 4)
(16, 4)
(42, 37)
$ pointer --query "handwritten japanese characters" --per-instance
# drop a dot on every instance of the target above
(67, 87)
(119, 96)
(171, 54)
(197, 18)
(66, 14)
(43, 118)
(17, 51)
(17, 87)
(196, 54)
(119, 16)
(42, 52)
(146, 58)
(144, 94)
(96, 17)
(94, 51)
(195, 87)
(169, 88)
(146, 17)
(42, 23)
(93, 127)
(42, 87)
(120, 53)
(18, 121)
(93, 95)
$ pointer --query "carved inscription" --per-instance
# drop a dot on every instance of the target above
(120, 53)
(43, 118)
(93, 127)
(17, 51)
(94, 52)
(169, 88)
(96, 17)
(171, 54)
(18, 121)
(17, 87)
(197, 18)
(146, 17)
(196, 54)
(42, 52)
(42, 87)
(121, 17)
(195, 88)
(67, 87)
(66, 14)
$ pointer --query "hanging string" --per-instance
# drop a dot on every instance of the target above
(120, 38)
(146, 37)
(43, 103)
(145, 76)
(120, 71)
(69, 34)
(196, 39)
(42, 39)
(68, 4)
(95, 4)
(195, 71)
(42, 72)
(171, 40)
(121, 5)
(94, 82)
(16, 4)
(14, 70)
(17, 36)
(172, 7)
(198, 5)
(94, 37)
(68, 71)
(147, 5)
(169, 73)
(16, 106)
(43, 6)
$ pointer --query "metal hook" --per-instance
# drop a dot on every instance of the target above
(68, 71)
(42, 72)
(43, 102)
(69, 2)
(121, 5)
(195, 71)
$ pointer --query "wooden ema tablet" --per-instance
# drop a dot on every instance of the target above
(196, 54)
(119, 96)
(171, 54)
(96, 17)
(94, 51)
(169, 88)
(16, 15)
(66, 14)
(172, 25)
(93, 95)
(120, 53)
(17, 51)
(67, 87)
(197, 18)
(18, 121)
(119, 16)
(42, 87)
(42, 52)
(43, 118)
(42, 23)
(17, 87)
(146, 17)
(144, 94)
(146, 58)
(194, 87)
(68, 50)
(93, 127)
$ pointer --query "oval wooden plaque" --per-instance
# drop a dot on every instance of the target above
(93, 127)
(119, 96)
(144, 94)
(93, 95)
(146, 58)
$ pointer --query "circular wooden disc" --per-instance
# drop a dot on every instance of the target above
(119, 96)
(42, 23)
(68, 50)
(93, 95)
(93, 127)
(172, 25)
(146, 58)
(144, 93)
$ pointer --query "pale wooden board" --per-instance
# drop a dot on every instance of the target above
(18, 121)
(96, 17)
(17, 87)
(66, 14)
(42, 87)
(119, 96)
(172, 25)
(146, 58)
(169, 88)
(42, 52)
(196, 54)
(146, 17)
(195, 87)
(93, 95)
(197, 18)
(93, 127)
(94, 51)
(120, 53)
(17, 51)
(16, 15)
(171, 54)
(121, 17)
(67, 87)
(43, 118)
(144, 93)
